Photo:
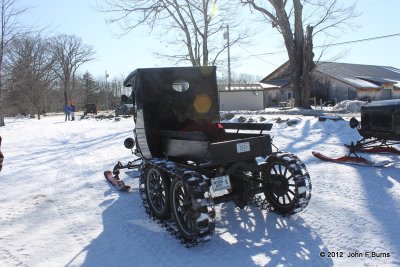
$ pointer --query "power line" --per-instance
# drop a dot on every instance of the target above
(328, 45)
(361, 40)
(251, 55)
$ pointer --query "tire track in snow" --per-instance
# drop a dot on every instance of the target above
(9, 259)
(71, 189)
(81, 194)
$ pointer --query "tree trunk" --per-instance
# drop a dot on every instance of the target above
(308, 61)
(2, 123)
(295, 67)
(39, 110)
(301, 65)
(2, 117)
(295, 74)
(65, 92)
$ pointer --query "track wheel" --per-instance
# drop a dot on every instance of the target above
(157, 185)
(287, 184)
(193, 213)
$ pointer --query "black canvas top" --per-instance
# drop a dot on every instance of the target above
(383, 104)
(155, 94)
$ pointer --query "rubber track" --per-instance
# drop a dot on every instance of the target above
(199, 191)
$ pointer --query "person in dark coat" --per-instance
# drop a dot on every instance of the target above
(72, 107)
(1, 157)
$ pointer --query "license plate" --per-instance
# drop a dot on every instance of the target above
(221, 183)
(243, 147)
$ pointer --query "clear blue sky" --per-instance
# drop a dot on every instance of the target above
(119, 55)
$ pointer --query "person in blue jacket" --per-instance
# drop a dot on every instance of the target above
(67, 111)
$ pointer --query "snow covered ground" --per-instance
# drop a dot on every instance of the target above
(56, 209)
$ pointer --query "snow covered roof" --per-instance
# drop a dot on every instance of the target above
(240, 87)
(275, 83)
(357, 70)
(396, 84)
(361, 76)
(358, 75)
(378, 80)
(361, 83)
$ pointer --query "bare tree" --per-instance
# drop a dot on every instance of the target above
(9, 28)
(31, 71)
(298, 21)
(239, 78)
(70, 53)
(197, 26)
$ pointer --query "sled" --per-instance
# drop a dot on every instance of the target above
(356, 160)
(379, 128)
(380, 132)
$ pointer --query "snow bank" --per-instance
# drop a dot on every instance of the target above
(349, 106)
(345, 107)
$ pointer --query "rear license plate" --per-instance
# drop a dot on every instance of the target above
(243, 147)
(221, 183)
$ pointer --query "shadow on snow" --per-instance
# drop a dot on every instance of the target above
(242, 238)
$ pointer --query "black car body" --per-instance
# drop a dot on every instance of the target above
(90, 108)
(188, 160)
(381, 119)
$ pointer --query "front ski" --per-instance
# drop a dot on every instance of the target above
(351, 160)
(374, 149)
(116, 182)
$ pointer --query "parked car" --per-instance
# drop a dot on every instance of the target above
(90, 108)
(124, 109)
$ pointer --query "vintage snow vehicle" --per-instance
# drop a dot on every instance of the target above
(189, 161)
(379, 129)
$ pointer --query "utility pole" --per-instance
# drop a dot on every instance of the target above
(226, 37)
(1, 97)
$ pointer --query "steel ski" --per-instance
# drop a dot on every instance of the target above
(116, 182)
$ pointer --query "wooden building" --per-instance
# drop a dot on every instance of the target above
(336, 82)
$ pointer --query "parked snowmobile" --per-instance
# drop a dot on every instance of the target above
(189, 161)
(380, 131)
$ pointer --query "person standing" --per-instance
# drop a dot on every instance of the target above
(67, 111)
(72, 107)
